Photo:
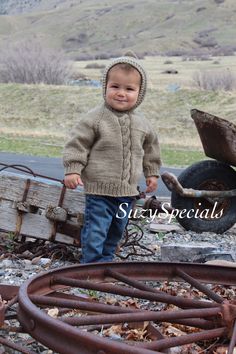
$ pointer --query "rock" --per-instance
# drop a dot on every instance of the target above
(40, 261)
(27, 254)
(27, 264)
(154, 227)
(215, 256)
(44, 262)
(220, 262)
(6, 263)
(186, 252)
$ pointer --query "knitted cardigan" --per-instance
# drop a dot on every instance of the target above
(110, 150)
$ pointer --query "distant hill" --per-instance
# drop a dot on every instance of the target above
(12, 7)
(90, 28)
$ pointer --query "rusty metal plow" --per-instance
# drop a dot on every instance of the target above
(68, 310)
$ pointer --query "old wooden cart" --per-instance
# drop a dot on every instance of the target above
(205, 192)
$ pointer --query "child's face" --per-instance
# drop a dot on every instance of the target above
(122, 88)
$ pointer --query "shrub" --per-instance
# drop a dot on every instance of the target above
(168, 62)
(95, 66)
(103, 56)
(170, 71)
(175, 53)
(31, 63)
(205, 42)
(82, 57)
(77, 75)
(199, 9)
(223, 80)
(226, 50)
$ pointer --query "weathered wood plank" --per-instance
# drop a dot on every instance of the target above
(41, 196)
(33, 225)
(8, 219)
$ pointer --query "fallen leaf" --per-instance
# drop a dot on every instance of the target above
(53, 312)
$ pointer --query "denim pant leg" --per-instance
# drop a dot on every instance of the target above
(97, 221)
(117, 228)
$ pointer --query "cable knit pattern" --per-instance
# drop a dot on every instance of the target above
(126, 142)
(110, 150)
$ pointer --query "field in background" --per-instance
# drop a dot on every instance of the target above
(156, 67)
(36, 119)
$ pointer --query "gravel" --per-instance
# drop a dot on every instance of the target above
(20, 261)
(142, 245)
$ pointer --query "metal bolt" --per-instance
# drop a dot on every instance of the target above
(31, 325)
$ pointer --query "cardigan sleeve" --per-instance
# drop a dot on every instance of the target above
(151, 159)
(77, 149)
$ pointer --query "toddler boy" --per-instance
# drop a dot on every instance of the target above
(110, 148)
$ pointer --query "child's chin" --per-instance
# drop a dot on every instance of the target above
(120, 108)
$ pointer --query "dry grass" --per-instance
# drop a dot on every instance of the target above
(156, 66)
(49, 112)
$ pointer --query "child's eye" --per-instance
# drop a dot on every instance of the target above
(114, 86)
(130, 89)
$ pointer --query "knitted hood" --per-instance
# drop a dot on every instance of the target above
(136, 64)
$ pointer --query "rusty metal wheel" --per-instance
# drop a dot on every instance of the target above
(206, 214)
(202, 204)
(158, 288)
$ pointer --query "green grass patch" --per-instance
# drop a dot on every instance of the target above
(180, 157)
(30, 146)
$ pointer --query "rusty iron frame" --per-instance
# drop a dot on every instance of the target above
(212, 315)
(172, 183)
(217, 136)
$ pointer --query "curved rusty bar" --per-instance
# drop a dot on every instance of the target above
(26, 169)
(61, 335)
(172, 183)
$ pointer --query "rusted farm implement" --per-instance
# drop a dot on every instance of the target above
(85, 324)
(206, 191)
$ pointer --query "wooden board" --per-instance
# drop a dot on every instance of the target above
(41, 195)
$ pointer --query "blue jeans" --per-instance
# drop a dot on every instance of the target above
(102, 229)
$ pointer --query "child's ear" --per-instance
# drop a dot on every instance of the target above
(131, 54)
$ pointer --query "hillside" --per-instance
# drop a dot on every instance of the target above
(12, 7)
(88, 28)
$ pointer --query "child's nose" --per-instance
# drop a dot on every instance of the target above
(121, 92)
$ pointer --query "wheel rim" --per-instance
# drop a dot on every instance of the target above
(215, 206)
(50, 288)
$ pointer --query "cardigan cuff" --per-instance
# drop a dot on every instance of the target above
(73, 167)
(149, 172)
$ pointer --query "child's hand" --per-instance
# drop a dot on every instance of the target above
(151, 183)
(72, 181)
